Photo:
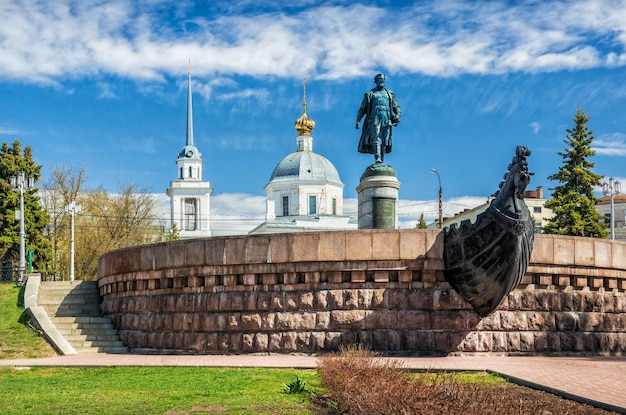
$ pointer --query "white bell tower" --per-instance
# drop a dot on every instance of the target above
(190, 196)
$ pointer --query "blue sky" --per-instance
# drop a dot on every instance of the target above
(102, 84)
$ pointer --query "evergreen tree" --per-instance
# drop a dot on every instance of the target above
(422, 223)
(573, 201)
(12, 162)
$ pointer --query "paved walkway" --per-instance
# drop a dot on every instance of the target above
(597, 380)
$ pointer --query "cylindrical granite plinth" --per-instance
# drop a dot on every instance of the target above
(378, 197)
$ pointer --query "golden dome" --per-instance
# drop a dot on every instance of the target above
(304, 125)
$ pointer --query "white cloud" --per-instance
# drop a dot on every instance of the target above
(535, 126)
(7, 130)
(613, 59)
(430, 208)
(162, 205)
(242, 211)
(258, 94)
(205, 89)
(238, 204)
(106, 91)
(48, 42)
(225, 89)
(610, 145)
(350, 206)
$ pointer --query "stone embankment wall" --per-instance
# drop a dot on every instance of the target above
(307, 292)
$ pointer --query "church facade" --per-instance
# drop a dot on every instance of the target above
(305, 191)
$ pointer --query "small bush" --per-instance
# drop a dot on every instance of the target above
(295, 387)
(359, 382)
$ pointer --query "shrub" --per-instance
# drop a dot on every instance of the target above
(359, 382)
(295, 387)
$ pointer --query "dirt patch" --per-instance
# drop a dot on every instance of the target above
(359, 383)
(501, 400)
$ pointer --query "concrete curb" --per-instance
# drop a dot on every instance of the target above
(40, 318)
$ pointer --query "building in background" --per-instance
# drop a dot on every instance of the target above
(536, 204)
(619, 208)
(190, 196)
(533, 198)
(305, 192)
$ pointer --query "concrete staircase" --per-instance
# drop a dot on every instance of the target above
(74, 308)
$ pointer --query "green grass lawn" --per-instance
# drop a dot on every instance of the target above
(153, 390)
(16, 339)
(133, 390)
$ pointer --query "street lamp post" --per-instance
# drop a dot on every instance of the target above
(611, 189)
(440, 198)
(73, 208)
(21, 183)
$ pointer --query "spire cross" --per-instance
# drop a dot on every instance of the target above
(304, 97)
(189, 107)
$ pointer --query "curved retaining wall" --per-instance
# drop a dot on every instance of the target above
(306, 292)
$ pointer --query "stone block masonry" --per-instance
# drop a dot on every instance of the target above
(384, 289)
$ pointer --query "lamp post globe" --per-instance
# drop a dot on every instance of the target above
(612, 188)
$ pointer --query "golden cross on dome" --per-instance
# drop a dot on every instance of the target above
(304, 97)
(304, 125)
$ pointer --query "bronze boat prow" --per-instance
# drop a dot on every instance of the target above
(487, 259)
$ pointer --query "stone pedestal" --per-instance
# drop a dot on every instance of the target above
(378, 197)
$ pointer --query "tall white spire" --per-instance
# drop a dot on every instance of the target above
(189, 107)
(190, 196)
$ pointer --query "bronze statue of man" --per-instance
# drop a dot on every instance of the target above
(381, 111)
